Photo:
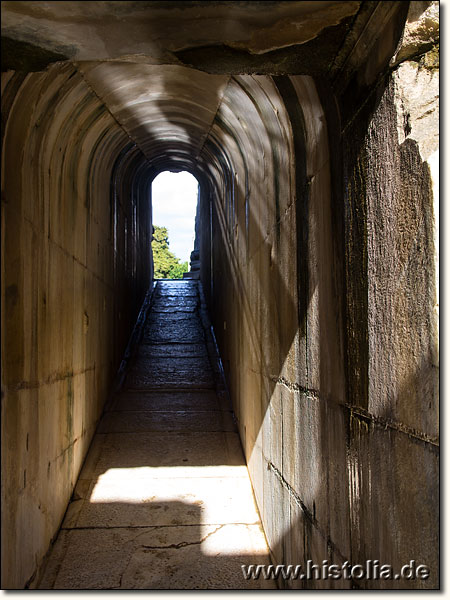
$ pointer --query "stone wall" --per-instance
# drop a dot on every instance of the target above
(392, 338)
(322, 285)
(76, 263)
(275, 303)
(318, 247)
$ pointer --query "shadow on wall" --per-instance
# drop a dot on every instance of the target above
(126, 527)
(272, 224)
(286, 426)
(65, 324)
(317, 459)
(308, 449)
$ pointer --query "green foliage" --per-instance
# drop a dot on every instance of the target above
(177, 271)
(166, 264)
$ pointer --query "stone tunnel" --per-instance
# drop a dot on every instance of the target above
(312, 129)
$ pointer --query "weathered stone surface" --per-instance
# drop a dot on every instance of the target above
(127, 31)
(401, 283)
(168, 304)
(22, 56)
(417, 104)
(148, 558)
(159, 372)
(185, 330)
(171, 351)
(317, 232)
(69, 306)
(175, 477)
(173, 400)
(421, 31)
(126, 450)
(143, 501)
(382, 506)
(166, 420)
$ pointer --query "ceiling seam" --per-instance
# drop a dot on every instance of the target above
(225, 87)
(115, 119)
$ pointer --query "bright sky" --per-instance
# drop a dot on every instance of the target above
(174, 199)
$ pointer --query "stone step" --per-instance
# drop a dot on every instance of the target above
(164, 500)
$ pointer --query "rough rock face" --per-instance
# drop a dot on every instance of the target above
(417, 102)
(401, 338)
(421, 31)
(154, 31)
(313, 131)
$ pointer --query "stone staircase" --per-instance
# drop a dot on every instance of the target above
(164, 499)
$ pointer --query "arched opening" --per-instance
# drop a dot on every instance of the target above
(174, 206)
(305, 127)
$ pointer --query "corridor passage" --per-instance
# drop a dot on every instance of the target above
(164, 500)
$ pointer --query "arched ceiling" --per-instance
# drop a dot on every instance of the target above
(166, 111)
(162, 69)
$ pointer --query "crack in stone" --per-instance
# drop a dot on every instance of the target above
(296, 387)
(383, 423)
(307, 513)
(183, 544)
(292, 493)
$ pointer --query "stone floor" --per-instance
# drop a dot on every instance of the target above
(164, 500)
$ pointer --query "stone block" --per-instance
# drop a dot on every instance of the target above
(393, 495)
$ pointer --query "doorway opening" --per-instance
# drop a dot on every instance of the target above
(174, 206)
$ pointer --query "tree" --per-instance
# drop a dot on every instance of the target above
(166, 264)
